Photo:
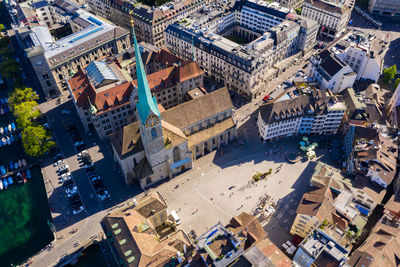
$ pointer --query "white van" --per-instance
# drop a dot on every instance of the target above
(176, 217)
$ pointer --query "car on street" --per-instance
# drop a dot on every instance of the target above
(78, 210)
(87, 166)
(63, 169)
(103, 195)
(65, 111)
(78, 143)
(59, 162)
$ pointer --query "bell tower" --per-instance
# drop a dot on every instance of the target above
(148, 115)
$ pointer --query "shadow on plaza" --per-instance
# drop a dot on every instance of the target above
(279, 225)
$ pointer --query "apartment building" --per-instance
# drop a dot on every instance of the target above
(137, 234)
(265, 34)
(149, 22)
(332, 16)
(389, 8)
(319, 112)
(104, 97)
(371, 152)
(394, 103)
(84, 38)
(315, 207)
(381, 248)
(364, 54)
(326, 246)
(331, 72)
(171, 84)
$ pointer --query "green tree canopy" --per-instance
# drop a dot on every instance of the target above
(298, 11)
(9, 68)
(36, 140)
(21, 95)
(26, 113)
(397, 82)
(2, 28)
(389, 74)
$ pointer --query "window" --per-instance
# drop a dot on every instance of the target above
(48, 83)
(153, 133)
(176, 154)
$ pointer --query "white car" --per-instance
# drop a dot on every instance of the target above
(103, 195)
(59, 162)
(83, 153)
(66, 178)
(71, 190)
(63, 168)
(88, 165)
(65, 111)
(78, 210)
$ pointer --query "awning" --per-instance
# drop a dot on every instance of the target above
(180, 163)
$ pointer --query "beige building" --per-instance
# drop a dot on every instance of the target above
(171, 84)
(55, 59)
(150, 22)
(315, 207)
(332, 16)
(160, 145)
(104, 97)
(142, 234)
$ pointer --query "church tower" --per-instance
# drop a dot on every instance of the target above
(149, 118)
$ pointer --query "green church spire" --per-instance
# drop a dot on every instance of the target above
(147, 104)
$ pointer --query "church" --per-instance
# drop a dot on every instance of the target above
(163, 143)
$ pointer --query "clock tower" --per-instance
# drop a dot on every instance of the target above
(149, 118)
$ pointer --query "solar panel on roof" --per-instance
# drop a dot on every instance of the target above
(85, 35)
(95, 21)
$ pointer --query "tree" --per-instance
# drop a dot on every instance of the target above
(298, 10)
(397, 82)
(9, 68)
(26, 112)
(21, 95)
(389, 74)
(2, 28)
(36, 140)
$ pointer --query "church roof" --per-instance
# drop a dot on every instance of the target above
(198, 109)
(127, 141)
(147, 104)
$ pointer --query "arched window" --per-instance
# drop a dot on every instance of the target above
(153, 133)
(176, 154)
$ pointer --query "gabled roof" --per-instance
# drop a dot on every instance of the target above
(198, 109)
(127, 141)
(317, 202)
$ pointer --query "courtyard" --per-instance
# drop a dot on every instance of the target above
(221, 186)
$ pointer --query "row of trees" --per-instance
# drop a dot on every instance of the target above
(35, 138)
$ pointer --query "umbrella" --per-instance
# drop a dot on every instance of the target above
(302, 143)
(303, 148)
(305, 138)
(310, 153)
(315, 144)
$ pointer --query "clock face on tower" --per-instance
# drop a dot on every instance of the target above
(152, 120)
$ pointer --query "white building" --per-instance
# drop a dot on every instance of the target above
(393, 105)
(264, 35)
(320, 113)
(332, 16)
(364, 54)
(76, 38)
(330, 72)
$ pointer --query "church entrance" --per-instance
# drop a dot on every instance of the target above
(183, 168)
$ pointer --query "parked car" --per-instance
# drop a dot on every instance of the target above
(72, 193)
(103, 195)
(71, 189)
(87, 166)
(58, 156)
(66, 178)
(65, 111)
(63, 169)
(59, 162)
(83, 153)
(77, 210)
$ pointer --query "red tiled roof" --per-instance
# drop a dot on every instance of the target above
(82, 89)
(188, 71)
